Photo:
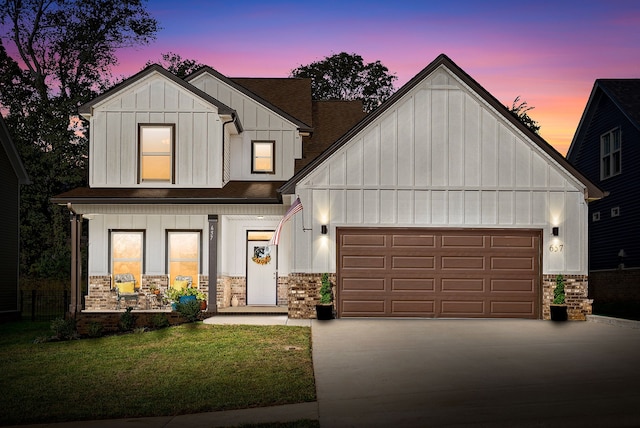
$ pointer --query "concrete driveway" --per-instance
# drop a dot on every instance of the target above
(486, 373)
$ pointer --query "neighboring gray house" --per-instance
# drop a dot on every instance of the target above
(12, 175)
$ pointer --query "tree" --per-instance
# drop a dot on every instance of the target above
(345, 76)
(519, 110)
(177, 65)
(67, 49)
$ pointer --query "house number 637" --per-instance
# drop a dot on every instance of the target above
(556, 248)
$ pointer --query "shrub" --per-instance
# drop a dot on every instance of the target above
(160, 321)
(558, 292)
(96, 329)
(127, 320)
(190, 310)
(325, 290)
(64, 329)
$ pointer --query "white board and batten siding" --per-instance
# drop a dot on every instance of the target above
(441, 157)
(259, 123)
(155, 220)
(158, 100)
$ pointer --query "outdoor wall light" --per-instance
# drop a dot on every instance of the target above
(324, 229)
(555, 231)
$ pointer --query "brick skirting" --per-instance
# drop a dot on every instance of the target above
(576, 296)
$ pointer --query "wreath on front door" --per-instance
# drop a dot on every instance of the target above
(261, 255)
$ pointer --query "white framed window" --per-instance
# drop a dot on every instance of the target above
(610, 154)
(183, 250)
(595, 216)
(127, 253)
(263, 157)
(615, 212)
(156, 153)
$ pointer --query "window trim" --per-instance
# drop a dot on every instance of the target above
(253, 156)
(609, 157)
(595, 216)
(172, 126)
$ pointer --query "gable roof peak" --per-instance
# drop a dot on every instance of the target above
(592, 191)
(87, 108)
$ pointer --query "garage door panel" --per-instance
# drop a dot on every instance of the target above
(462, 263)
(413, 307)
(466, 273)
(363, 241)
(463, 241)
(513, 263)
(420, 241)
(413, 262)
(513, 285)
(363, 262)
(461, 285)
(513, 242)
(363, 307)
(413, 284)
(366, 284)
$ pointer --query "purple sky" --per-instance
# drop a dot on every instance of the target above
(548, 52)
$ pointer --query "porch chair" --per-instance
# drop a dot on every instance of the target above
(182, 281)
(125, 288)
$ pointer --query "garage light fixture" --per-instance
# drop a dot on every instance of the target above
(324, 229)
(555, 231)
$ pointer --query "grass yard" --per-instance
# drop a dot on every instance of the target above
(189, 368)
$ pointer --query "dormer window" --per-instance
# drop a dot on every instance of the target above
(611, 163)
(156, 147)
(263, 157)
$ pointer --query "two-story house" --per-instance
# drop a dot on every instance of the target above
(12, 176)
(438, 204)
(605, 147)
(183, 179)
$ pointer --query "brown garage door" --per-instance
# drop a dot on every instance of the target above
(484, 273)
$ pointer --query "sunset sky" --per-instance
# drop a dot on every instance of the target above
(547, 52)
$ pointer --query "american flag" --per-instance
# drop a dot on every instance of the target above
(293, 209)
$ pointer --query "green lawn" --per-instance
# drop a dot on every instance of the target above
(178, 370)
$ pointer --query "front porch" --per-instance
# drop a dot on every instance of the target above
(297, 295)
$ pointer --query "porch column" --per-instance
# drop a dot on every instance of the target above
(75, 304)
(213, 264)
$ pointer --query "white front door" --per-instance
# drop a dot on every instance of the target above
(261, 269)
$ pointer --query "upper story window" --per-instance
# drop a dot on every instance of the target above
(156, 153)
(611, 162)
(263, 157)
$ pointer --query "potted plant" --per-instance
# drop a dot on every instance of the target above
(183, 295)
(558, 307)
(154, 289)
(324, 309)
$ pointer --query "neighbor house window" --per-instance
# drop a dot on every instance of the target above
(262, 157)
(184, 254)
(156, 153)
(610, 154)
(127, 251)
